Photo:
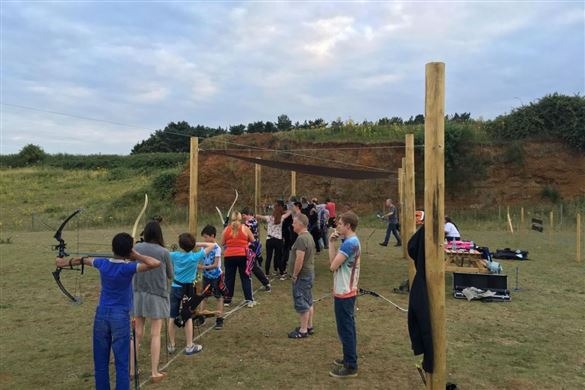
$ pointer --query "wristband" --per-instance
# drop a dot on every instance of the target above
(70, 265)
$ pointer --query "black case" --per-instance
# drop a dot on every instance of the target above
(493, 282)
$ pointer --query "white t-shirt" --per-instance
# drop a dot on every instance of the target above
(451, 230)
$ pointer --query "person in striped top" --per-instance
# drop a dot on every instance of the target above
(345, 265)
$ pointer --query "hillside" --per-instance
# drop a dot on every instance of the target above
(517, 175)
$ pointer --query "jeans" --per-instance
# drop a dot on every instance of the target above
(233, 264)
(111, 330)
(345, 320)
(392, 228)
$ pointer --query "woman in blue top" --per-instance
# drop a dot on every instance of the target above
(111, 327)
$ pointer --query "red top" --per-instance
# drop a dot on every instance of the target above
(330, 206)
(235, 246)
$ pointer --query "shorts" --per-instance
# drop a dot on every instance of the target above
(176, 297)
(216, 288)
(303, 294)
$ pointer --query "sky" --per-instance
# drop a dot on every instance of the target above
(87, 77)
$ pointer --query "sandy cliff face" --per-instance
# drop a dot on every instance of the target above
(507, 181)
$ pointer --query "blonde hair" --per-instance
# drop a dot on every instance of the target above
(236, 222)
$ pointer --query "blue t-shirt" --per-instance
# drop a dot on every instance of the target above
(185, 266)
(346, 277)
(209, 260)
(116, 278)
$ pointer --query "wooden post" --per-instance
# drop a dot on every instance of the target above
(578, 238)
(293, 183)
(435, 216)
(552, 224)
(257, 187)
(409, 212)
(401, 201)
(521, 217)
(193, 179)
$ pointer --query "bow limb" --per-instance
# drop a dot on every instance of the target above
(139, 216)
(61, 248)
(229, 213)
(220, 215)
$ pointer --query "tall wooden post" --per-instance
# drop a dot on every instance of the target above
(293, 183)
(193, 179)
(521, 218)
(257, 187)
(401, 198)
(578, 238)
(435, 216)
(409, 212)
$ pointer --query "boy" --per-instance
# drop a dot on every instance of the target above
(345, 265)
(111, 327)
(212, 274)
(185, 270)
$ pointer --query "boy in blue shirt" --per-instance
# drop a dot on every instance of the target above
(185, 269)
(212, 274)
(111, 327)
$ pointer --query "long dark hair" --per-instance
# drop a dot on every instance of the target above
(153, 233)
(448, 219)
(277, 212)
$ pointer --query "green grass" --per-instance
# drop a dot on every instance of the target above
(536, 341)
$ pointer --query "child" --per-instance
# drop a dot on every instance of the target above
(212, 275)
(185, 270)
(345, 265)
(111, 327)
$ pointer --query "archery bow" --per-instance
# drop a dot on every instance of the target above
(139, 216)
(224, 221)
(61, 248)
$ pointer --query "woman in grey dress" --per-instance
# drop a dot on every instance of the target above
(151, 294)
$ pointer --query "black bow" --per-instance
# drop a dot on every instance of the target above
(61, 248)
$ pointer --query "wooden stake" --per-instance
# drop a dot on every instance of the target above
(510, 223)
(409, 212)
(578, 238)
(522, 217)
(435, 216)
(257, 187)
(293, 183)
(193, 179)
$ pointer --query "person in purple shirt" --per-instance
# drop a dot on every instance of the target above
(111, 327)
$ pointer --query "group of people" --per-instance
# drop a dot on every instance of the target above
(144, 281)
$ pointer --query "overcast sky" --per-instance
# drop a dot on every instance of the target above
(145, 64)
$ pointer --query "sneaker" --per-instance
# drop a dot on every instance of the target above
(268, 288)
(193, 349)
(227, 304)
(171, 348)
(283, 276)
(219, 323)
(343, 372)
(251, 304)
(398, 244)
(338, 362)
(383, 243)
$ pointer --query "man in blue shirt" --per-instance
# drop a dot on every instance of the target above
(111, 327)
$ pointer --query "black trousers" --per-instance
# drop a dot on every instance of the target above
(273, 248)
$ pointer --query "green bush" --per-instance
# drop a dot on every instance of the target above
(165, 184)
(551, 193)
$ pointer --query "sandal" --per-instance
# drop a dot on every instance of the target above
(310, 331)
(295, 334)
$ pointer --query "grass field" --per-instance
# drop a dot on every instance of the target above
(536, 341)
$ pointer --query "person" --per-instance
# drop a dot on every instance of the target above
(323, 215)
(451, 230)
(345, 265)
(289, 236)
(256, 247)
(111, 330)
(302, 271)
(392, 228)
(235, 240)
(151, 296)
(314, 222)
(185, 269)
(330, 206)
(213, 282)
(274, 237)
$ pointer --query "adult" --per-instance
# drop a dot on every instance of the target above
(111, 330)
(235, 240)
(151, 295)
(345, 265)
(330, 206)
(451, 230)
(323, 215)
(274, 237)
(302, 271)
(392, 228)
(256, 246)
(289, 235)
(313, 227)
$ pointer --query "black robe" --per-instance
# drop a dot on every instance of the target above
(419, 319)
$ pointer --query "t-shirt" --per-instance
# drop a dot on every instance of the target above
(330, 206)
(393, 218)
(213, 273)
(252, 224)
(185, 266)
(345, 278)
(305, 243)
(274, 230)
(154, 281)
(451, 230)
(116, 279)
